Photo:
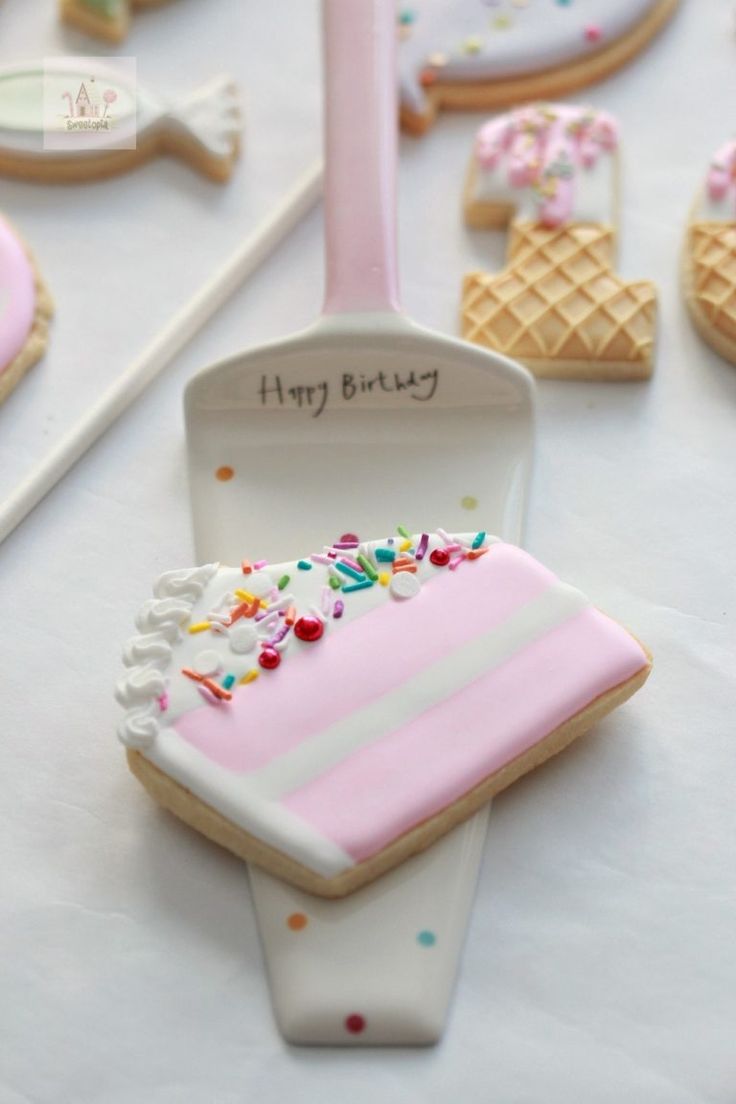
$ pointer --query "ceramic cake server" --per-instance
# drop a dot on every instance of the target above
(363, 420)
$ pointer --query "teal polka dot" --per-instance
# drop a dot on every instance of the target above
(426, 938)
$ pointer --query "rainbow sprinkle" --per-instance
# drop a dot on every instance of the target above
(364, 585)
(368, 567)
(277, 613)
(351, 572)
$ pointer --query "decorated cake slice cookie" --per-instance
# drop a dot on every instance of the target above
(709, 261)
(328, 717)
(549, 173)
(484, 54)
(106, 19)
(69, 119)
(25, 310)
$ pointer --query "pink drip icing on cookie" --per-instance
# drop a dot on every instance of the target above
(544, 147)
(17, 296)
(722, 173)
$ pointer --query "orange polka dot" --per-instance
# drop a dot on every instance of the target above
(297, 921)
(224, 473)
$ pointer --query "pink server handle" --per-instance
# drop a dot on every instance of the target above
(361, 138)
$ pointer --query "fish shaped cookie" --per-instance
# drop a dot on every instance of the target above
(483, 54)
(328, 717)
(61, 121)
(25, 310)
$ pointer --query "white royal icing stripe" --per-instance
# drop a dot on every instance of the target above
(239, 801)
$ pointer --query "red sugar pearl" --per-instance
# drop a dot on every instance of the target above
(269, 659)
(355, 1023)
(309, 629)
(440, 557)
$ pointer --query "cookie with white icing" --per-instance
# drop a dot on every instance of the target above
(709, 258)
(25, 310)
(327, 718)
(105, 19)
(484, 54)
(549, 172)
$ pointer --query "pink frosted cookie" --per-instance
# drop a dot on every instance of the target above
(329, 717)
(550, 173)
(483, 54)
(25, 310)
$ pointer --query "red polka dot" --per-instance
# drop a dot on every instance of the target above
(224, 473)
(348, 537)
(355, 1023)
(297, 921)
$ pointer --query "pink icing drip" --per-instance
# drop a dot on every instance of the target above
(17, 296)
(545, 146)
(384, 789)
(722, 173)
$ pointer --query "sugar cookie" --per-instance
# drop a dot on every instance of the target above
(370, 724)
(709, 260)
(548, 171)
(61, 121)
(106, 19)
(25, 310)
(484, 54)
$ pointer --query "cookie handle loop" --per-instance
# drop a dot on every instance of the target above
(361, 139)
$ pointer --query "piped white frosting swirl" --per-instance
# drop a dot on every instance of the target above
(147, 655)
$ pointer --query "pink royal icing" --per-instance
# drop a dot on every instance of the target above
(354, 682)
(544, 147)
(721, 179)
(410, 774)
(17, 296)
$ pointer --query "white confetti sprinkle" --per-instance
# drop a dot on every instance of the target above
(243, 638)
(404, 585)
(207, 662)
